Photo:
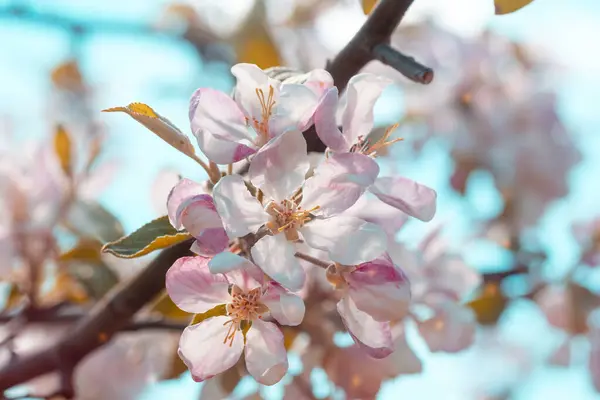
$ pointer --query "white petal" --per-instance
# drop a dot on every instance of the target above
(193, 288)
(349, 240)
(338, 183)
(295, 108)
(202, 349)
(325, 122)
(361, 95)
(287, 308)
(249, 78)
(374, 337)
(280, 166)
(241, 213)
(451, 329)
(266, 357)
(407, 195)
(275, 256)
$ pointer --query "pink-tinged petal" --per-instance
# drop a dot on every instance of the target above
(349, 240)
(561, 357)
(361, 95)
(325, 122)
(193, 288)
(295, 108)
(275, 256)
(403, 360)
(380, 289)
(594, 359)
(407, 195)
(373, 337)
(266, 357)
(371, 209)
(249, 79)
(319, 81)
(279, 168)
(555, 303)
(220, 127)
(238, 270)
(241, 213)
(202, 349)
(338, 183)
(449, 273)
(210, 242)
(451, 329)
(287, 308)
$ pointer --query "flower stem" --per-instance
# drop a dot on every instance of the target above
(312, 260)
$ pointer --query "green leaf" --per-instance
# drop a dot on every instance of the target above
(93, 220)
(155, 235)
(490, 304)
(368, 6)
(509, 6)
(96, 277)
(216, 311)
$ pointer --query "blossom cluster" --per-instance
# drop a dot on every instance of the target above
(246, 278)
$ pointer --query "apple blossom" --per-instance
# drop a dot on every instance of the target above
(215, 344)
(295, 206)
(190, 207)
(229, 130)
(373, 294)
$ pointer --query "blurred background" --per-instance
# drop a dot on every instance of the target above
(506, 134)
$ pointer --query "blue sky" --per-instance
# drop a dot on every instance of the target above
(163, 73)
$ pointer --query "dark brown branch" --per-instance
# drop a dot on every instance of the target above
(404, 64)
(109, 316)
(377, 30)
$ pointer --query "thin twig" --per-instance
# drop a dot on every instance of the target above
(404, 64)
(312, 260)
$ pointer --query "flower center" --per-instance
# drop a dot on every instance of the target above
(364, 146)
(244, 307)
(267, 104)
(288, 217)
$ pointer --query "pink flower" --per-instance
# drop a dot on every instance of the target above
(230, 130)
(190, 207)
(374, 293)
(295, 207)
(215, 344)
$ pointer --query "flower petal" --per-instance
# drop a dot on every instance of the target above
(249, 79)
(561, 357)
(325, 122)
(275, 256)
(319, 81)
(210, 242)
(361, 95)
(219, 126)
(594, 359)
(349, 240)
(295, 108)
(183, 190)
(202, 349)
(451, 329)
(374, 337)
(241, 213)
(280, 166)
(285, 307)
(238, 270)
(403, 360)
(339, 182)
(371, 209)
(380, 289)
(193, 288)
(407, 195)
(266, 357)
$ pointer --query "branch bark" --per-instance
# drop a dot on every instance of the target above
(115, 311)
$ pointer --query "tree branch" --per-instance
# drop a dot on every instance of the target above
(108, 316)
